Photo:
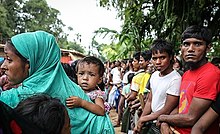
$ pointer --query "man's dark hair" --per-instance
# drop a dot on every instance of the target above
(45, 112)
(130, 77)
(215, 60)
(146, 55)
(136, 55)
(93, 60)
(162, 46)
(198, 32)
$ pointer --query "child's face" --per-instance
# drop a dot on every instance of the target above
(88, 76)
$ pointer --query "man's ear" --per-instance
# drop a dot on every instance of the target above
(208, 48)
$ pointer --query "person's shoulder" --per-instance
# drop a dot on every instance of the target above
(175, 73)
(156, 73)
(211, 69)
(147, 74)
(139, 75)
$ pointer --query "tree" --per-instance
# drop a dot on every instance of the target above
(145, 20)
(9, 13)
(18, 16)
(36, 15)
(4, 28)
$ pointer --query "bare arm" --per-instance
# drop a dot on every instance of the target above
(170, 104)
(97, 108)
(132, 96)
(197, 108)
(204, 122)
(147, 108)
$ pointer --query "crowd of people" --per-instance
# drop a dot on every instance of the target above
(154, 92)
(168, 93)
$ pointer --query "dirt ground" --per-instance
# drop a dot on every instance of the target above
(113, 116)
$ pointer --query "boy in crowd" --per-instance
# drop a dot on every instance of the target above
(164, 86)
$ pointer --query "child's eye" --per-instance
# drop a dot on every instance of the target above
(92, 74)
(80, 74)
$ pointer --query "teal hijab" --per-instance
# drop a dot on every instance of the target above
(46, 75)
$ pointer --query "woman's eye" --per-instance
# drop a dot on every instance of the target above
(8, 59)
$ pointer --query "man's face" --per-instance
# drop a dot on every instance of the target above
(161, 61)
(135, 64)
(193, 51)
(143, 64)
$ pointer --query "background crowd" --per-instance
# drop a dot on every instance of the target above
(155, 91)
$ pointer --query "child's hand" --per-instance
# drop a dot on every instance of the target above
(73, 101)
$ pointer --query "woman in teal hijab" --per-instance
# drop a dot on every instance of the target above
(33, 59)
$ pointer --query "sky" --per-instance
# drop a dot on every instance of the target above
(84, 16)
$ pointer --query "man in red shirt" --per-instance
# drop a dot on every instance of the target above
(200, 84)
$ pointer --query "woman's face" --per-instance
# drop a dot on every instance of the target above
(15, 69)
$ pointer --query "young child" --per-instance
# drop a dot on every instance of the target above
(89, 74)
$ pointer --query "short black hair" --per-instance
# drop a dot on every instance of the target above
(215, 60)
(146, 55)
(198, 32)
(162, 45)
(136, 55)
(130, 77)
(92, 60)
(45, 112)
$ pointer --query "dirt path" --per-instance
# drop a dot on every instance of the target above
(113, 116)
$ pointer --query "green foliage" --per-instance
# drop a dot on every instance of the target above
(38, 16)
(145, 20)
(3, 22)
(75, 46)
(18, 16)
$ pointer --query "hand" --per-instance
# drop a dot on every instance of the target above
(73, 101)
(165, 128)
(137, 128)
(161, 118)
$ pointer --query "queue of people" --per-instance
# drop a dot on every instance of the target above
(153, 93)
(178, 97)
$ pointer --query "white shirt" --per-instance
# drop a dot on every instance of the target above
(161, 86)
(116, 79)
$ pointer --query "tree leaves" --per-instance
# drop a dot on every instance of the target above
(149, 19)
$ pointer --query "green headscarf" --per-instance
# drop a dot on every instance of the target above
(46, 75)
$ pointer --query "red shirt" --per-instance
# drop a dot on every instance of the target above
(204, 83)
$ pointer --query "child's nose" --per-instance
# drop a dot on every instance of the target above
(85, 76)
